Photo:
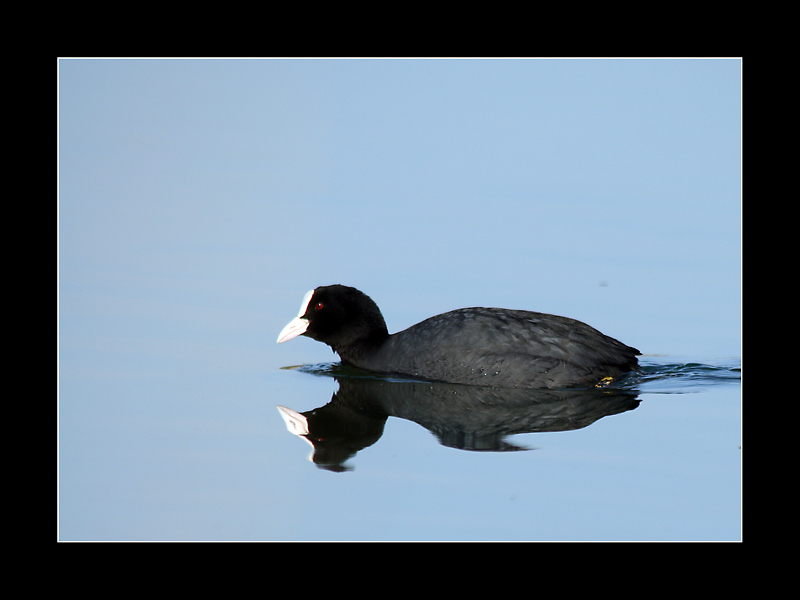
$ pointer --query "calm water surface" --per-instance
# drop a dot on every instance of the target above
(658, 458)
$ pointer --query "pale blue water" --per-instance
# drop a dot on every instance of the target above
(199, 201)
(159, 462)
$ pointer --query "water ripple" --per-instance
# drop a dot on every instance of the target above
(664, 375)
(668, 376)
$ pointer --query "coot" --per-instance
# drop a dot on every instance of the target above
(475, 346)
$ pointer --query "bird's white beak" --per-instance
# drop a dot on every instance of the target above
(298, 325)
(295, 327)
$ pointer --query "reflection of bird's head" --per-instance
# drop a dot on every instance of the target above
(336, 432)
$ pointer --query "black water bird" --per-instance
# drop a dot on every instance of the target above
(475, 346)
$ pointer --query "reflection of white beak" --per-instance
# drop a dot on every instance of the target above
(295, 422)
(295, 327)
(298, 325)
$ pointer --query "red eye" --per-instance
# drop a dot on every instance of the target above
(319, 305)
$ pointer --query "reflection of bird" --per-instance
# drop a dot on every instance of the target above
(465, 417)
(477, 346)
